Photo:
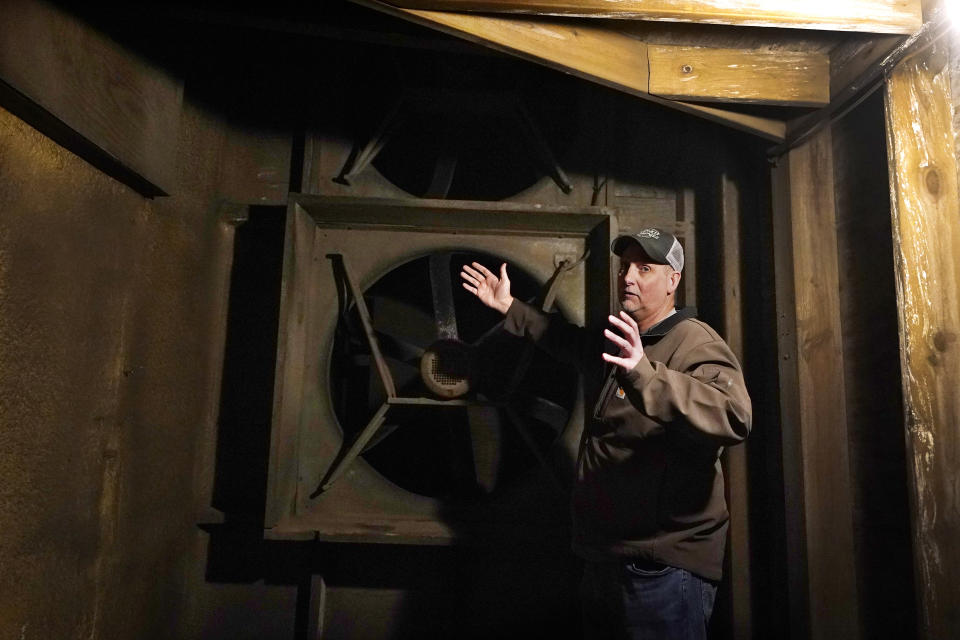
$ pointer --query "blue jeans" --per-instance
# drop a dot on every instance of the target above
(644, 600)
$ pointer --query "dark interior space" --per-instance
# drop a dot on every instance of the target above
(872, 377)
(246, 406)
(323, 78)
(237, 552)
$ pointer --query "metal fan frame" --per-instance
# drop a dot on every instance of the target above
(356, 447)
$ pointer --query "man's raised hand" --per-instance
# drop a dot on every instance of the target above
(631, 348)
(491, 290)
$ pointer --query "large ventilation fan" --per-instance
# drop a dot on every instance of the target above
(458, 127)
(482, 406)
(403, 413)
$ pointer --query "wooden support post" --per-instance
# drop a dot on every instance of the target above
(823, 596)
(735, 458)
(926, 240)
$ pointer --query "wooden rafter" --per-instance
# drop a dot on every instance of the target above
(873, 16)
(600, 54)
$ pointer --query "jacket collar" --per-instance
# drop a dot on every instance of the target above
(664, 326)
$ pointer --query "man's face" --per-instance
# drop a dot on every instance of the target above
(644, 287)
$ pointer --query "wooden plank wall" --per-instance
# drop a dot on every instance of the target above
(788, 373)
(926, 231)
(812, 395)
(120, 114)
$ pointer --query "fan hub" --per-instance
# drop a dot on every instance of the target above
(446, 368)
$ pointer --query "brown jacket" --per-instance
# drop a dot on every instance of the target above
(649, 483)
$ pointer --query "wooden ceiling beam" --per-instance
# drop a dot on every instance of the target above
(785, 78)
(596, 53)
(871, 16)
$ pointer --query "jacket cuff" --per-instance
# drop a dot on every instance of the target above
(640, 375)
(515, 319)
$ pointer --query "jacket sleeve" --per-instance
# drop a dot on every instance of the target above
(566, 342)
(707, 397)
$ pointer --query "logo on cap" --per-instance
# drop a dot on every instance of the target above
(649, 233)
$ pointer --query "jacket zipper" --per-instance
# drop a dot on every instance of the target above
(605, 395)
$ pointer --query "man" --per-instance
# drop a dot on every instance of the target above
(650, 517)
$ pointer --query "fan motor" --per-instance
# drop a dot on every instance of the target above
(446, 367)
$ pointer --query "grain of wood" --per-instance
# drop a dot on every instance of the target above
(823, 437)
(737, 75)
(926, 228)
(813, 414)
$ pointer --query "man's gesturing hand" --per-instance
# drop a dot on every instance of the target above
(631, 348)
(492, 291)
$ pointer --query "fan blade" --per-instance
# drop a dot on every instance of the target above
(442, 175)
(402, 321)
(496, 328)
(398, 349)
(546, 411)
(521, 426)
(441, 284)
(486, 436)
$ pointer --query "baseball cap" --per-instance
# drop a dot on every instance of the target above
(660, 246)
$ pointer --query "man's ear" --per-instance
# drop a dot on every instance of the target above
(674, 281)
